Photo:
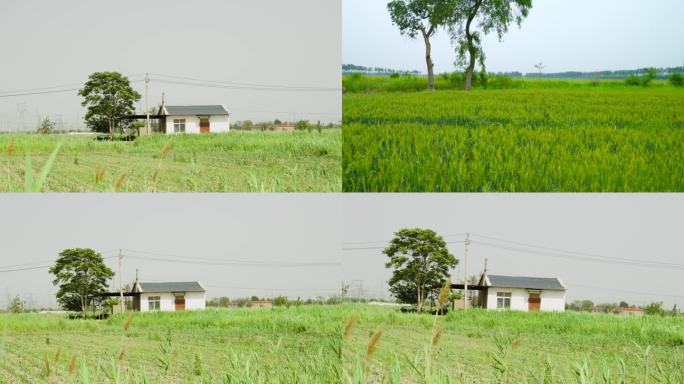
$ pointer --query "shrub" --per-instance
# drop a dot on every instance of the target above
(394, 75)
(280, 301)
(633, 80)
(46, 127)
(677, 80)
(16, 305)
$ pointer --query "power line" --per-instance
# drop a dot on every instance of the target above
(584, 258)
(624, 291)
(242, 88)
(12, 269)
(250, 85)
(570, 252)
(219, 261)
(274, 289)
(47, 91)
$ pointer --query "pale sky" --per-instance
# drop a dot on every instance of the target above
(578, 35)
(314, 228)
(285, 228)
(632, 226)
(294, 43)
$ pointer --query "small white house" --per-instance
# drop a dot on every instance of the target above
(170, 296)
(520, 293)
(194, 119)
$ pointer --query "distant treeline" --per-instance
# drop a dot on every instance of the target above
(351, 68)
(662, 73)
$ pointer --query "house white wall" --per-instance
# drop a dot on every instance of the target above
(551, 300)
(193, 301)
(217, 124)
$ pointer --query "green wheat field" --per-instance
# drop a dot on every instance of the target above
(232, 162)
(382, 345)
(532, 136)
(348, 343)
(280, 345)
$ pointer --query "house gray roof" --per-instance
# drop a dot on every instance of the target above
(191, 110)
(183, 286)
(525, 282)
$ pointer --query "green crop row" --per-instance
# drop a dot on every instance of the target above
(585, 140)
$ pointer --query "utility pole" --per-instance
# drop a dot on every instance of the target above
(465, 271)
(147, 108)
(121, 301)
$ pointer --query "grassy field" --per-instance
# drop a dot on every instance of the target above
(281, 345)
(235, 161)
(350, 343)
(547, 136)
(511, 347)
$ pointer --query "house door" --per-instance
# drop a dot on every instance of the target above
(204, 125)
(534, 302)
(180, 303)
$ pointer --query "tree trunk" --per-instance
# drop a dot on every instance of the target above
(419, 303)
(472, 51)
(428, 61)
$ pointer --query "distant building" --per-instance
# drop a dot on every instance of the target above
(281, 127)
(518, 293)
(629, 311)
(260, 304)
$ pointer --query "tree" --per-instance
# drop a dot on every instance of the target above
(655, 308)
(421, 263)
(586, 305)
(623, 304)
(16, 305)
(540, 67)
(109, 99)
(677, 80)
(424, 17)
(81, 274)
(475, 18)
(46, 126)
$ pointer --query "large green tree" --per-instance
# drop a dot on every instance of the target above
(423, 17)
(109, 98)
(473, 19)
(421, 263)
(80, 274)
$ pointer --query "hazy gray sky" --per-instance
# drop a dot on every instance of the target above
(256, 227)
(271, 42)
(632, 226)
(582, 35)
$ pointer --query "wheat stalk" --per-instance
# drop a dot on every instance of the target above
(72, 364)
(348, 325)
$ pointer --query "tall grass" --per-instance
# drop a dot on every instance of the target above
(280, 345)
(235, 161)
(516, 347)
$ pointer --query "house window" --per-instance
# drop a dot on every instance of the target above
(503, 300)
(178, 125)
(153, 302)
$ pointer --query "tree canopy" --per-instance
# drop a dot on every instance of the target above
(424, 18)
(80, 274)
(473, 19)
(109, 98)
(421, 263)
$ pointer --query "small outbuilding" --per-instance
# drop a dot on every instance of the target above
(194, 119)
(519, 293)
(169, 296)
